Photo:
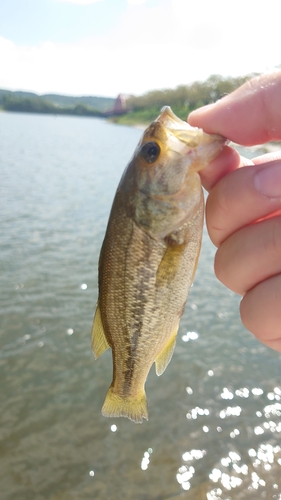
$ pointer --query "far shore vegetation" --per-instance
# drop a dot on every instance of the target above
(28, 102)
(139, 110)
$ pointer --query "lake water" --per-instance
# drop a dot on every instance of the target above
(214, 430)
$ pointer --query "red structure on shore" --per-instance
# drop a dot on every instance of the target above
(120, 106)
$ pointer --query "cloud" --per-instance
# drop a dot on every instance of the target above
(147, 48)
(136, 3)
(80, 2)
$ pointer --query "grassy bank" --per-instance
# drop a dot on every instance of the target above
(147, 115)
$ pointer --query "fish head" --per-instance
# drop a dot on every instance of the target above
(161, 179)
(188, 141)
(170, 149)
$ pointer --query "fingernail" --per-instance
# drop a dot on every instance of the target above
(268, 180)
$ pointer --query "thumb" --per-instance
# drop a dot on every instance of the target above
(250, 115)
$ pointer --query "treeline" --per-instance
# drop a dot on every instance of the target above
(39, 105)
(62, 101)
(183, 99)
(140, 109)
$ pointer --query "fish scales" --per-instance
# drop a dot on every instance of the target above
(148, 260)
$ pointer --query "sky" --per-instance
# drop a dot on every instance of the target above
(107, 47)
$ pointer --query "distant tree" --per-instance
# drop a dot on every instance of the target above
(28, 105)
(185, 98)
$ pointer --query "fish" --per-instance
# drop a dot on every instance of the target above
(149, 256)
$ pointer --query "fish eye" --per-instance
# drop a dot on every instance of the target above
(150, 152)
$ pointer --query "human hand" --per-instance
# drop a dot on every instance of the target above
(243, 210)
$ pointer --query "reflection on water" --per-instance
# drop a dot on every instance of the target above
(232, 472)
(215, 428)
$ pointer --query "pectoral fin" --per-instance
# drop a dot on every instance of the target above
(99, 341)
(169, 264)
(164, 358)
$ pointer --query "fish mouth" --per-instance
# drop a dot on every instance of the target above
(170, 120)
(184, 139)
(190, 136)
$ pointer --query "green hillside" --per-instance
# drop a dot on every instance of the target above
(99, 103)
(54, 103)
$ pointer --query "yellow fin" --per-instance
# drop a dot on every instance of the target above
(99, 341)
(134, 408)
(164, 358)
(169, 264)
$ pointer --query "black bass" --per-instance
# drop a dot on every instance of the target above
(149, 257)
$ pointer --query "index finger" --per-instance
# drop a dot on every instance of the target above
(248, 116)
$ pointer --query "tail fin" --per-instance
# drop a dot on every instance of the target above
(134, 408)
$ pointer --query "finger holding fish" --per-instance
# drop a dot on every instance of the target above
(243, 209)
(243, 218)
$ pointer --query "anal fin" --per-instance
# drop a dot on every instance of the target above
(99, 341)
(164, 358)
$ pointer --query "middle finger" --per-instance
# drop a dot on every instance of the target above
(238, 199)
(250, 255)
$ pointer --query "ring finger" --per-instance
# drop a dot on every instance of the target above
(250, 255)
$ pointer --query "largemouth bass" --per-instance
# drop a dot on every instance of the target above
(149, 256)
